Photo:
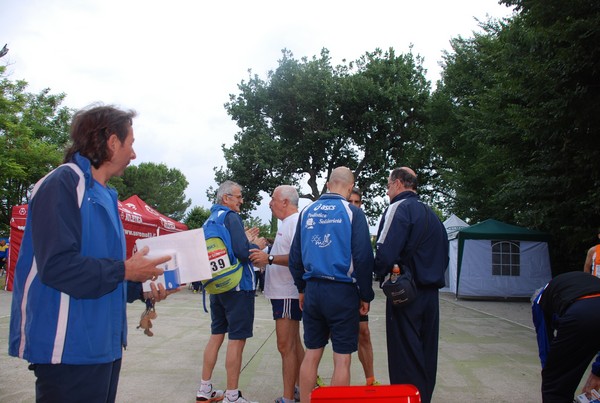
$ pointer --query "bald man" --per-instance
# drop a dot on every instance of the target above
(331, 261)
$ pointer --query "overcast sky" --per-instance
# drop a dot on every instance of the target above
(176, 62)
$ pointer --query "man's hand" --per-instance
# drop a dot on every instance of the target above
(160, 293)
(261, 242)
(364, 308)
(252, 234)
(593, 382)
(258, 257)
(141, 268)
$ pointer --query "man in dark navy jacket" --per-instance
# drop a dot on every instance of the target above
(410, 234)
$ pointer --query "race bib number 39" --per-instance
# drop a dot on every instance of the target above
(217, 256)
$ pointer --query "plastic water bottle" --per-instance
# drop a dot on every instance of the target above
(395, 273)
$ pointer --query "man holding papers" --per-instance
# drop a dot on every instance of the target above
(72, 282)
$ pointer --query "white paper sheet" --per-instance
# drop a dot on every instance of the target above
(190, 248)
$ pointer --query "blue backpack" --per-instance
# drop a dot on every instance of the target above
(225, 267)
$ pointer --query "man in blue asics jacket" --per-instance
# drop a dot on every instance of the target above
(331, 260)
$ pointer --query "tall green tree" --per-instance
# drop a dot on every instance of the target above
(158, 185)
(515, 118)
(34, 130)
(196, 217)
(264, 230)
(308, 117)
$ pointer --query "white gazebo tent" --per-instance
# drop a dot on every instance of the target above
(453, 224)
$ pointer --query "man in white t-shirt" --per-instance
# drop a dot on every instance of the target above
(280, 288)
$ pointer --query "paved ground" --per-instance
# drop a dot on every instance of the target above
(488, 353)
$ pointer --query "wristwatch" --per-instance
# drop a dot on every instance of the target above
(271, 258)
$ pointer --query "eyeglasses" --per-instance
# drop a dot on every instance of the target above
(239, 197)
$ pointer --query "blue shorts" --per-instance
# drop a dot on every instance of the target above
(331, 309)
(288, 308)
(232, 312)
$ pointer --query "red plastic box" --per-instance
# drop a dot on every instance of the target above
(366, 394)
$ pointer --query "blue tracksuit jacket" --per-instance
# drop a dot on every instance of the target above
(69, 297)
(402, 239)
(332, 242)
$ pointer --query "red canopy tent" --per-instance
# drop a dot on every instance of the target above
(142, 221)
(139, 221)
(17, 226)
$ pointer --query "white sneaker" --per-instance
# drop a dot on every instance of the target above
(240, 399)
(215, 395)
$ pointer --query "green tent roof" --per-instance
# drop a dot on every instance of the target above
(492, 229)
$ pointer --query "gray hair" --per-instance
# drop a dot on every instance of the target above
(226, 188)
(289, 193)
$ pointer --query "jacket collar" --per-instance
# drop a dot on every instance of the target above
(407, 194)
(218, 207)
(86, 166)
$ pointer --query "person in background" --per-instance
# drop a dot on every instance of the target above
(257, 271)
(566, 314)
(365, 347)
(231, 312)
(592, 259)
(262, 275)
(331, 261)
(196, 286)
(280, 289)
(72, 282)
(411, 234)
(3, 255)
